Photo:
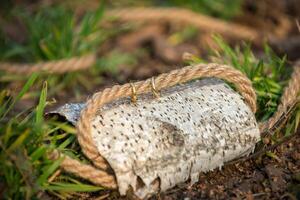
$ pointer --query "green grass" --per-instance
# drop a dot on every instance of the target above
(25, 141)
(55, 33)
(269, 76)
(26, 138)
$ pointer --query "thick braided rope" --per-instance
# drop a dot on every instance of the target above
(288, 98)
(202, 22)
(94, 175)
(100, 176)
(58, 66)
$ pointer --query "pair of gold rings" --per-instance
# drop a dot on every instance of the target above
(153, 89)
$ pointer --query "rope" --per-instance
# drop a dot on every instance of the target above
(98, 177)
(202, 22)
(184, 16)
(288, 99)
(242, 83)
(58, 66)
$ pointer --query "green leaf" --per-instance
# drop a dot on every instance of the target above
(68, 141)
(48, 171)
(272, 155)
(38, 153)
(91, 20)
(41, 106)
(19, 141)
(8, 132)
(65, 127)
(69, 187)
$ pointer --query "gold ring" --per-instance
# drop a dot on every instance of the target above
(153, 88)
(133, 93)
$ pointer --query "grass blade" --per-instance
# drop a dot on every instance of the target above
(70, 187)
(41, 106)
(26, 87)
(48, 171)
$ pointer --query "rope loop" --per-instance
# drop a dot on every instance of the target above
(100, 175)
(56, 66)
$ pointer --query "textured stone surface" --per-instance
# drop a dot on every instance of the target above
(160, 142)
